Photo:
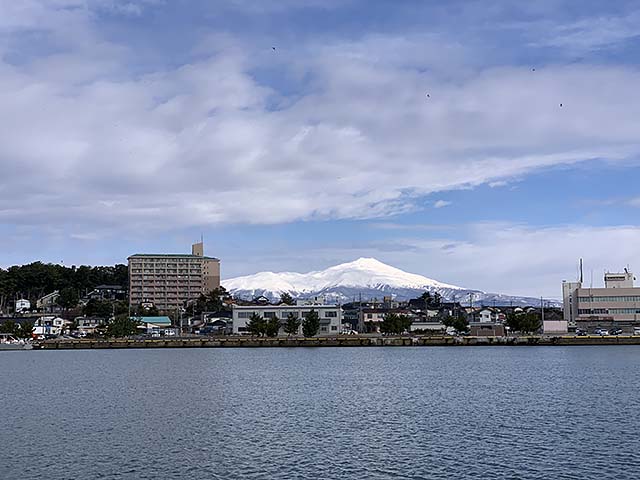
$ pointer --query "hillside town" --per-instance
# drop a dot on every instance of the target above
(181, 295)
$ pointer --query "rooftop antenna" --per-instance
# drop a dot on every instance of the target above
(591, 285)
(581, 271)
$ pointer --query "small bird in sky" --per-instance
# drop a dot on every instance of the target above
(560, 104)
(533, 69)
(274, 48)
(428, 96)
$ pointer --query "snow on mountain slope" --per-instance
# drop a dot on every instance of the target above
(364, 273)
(365, 277)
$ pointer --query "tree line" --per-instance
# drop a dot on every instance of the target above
(34, 280)
(269, 327)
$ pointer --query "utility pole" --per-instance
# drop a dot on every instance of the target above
(454, 306)
(360, 315)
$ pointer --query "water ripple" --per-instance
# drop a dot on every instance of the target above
(375, 413)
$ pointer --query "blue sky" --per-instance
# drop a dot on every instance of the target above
(137, 126)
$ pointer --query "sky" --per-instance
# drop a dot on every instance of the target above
(484, 144)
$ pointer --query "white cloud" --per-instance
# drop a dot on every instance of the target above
(494, 257)
(589, 33)
(498, 183)
(208, 143)
(518, 259)
(441, 203)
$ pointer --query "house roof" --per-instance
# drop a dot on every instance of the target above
(155, 320)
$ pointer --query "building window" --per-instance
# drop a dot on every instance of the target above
(245, 314)
(334, 328)
(331, 314)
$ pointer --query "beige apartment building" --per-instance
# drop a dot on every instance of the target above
(168, 280)
(618, 301)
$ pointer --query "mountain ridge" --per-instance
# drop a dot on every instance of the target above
(366, 277)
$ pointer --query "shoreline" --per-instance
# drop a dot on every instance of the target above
(351, 341)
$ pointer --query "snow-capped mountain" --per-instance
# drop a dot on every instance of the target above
(367, 277)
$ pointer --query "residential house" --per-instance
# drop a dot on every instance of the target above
(89, 324)
(50, 325)
(107, 292)
(49, 303)
(22, 305)
(156, 326)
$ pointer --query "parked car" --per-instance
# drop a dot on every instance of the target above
(581, 333)
(615, 331)
(601, 332)
(636, 331)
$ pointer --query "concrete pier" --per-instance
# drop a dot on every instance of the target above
(341, 341)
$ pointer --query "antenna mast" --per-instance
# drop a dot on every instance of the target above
(581, 271)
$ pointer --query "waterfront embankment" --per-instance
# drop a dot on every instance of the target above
(346, 341)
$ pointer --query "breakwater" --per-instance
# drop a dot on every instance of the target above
(346, 341)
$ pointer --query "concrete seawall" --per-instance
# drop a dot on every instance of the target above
(346, 341)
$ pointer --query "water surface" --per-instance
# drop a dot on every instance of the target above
(303, 413)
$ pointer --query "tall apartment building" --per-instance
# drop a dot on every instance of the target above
(618, 301)
(168, 280)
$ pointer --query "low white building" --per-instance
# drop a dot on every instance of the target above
(22, 305)
(330, 316)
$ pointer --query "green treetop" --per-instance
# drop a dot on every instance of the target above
(311, 324)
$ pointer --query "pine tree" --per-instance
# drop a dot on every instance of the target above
(286, 299)
(272, 326)
(293, 324)
(311, 324)
(256, 325)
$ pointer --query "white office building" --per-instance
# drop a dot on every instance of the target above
(330, 316)
(618, 301)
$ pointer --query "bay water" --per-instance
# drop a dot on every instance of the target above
(322, 413)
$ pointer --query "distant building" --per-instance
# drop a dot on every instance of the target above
(486, 329)
(486, 315)
(169, 280)
(89, 324)
(22, 305)
(370, 319)
(330, 316)
(49, 303)
(49, 325)
(107, 292)
(618, 301)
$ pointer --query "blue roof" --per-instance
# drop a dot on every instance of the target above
(155, 320)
